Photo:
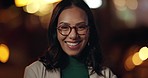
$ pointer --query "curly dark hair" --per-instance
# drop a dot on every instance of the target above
(55, 57)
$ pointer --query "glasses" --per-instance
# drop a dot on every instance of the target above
(65, 29)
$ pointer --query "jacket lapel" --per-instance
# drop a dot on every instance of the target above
(54, 74)
(94, 75)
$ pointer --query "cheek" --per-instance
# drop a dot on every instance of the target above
(60, 37)
(85, 39)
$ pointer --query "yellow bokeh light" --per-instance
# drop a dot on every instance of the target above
(21, 3)
(33, 7)
(143, 53)
(44, 9)
(129, 64)
(52, 1)
(136, 59)
(40, 7)
(4, 53)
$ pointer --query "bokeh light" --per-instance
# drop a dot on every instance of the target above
(132, 4)
(119, 4)
(143, 53)
(129, 64)
(33, 7)
(4, 53)
(52, 1)
(94, 3)
(136, 59)
(37, 7)
(45, 9)
(20, 3)
(125, 11)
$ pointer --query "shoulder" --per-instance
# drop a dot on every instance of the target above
(36, 65)
(34, 70)
(108, 73)
(38, 70)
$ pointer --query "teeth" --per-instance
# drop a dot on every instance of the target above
(72, 44)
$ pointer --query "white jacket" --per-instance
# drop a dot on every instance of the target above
(38, 70)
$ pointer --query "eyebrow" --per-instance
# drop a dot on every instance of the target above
(75, 24)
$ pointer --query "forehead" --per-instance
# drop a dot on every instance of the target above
(72, 14)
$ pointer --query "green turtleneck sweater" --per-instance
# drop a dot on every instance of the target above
(75, 69)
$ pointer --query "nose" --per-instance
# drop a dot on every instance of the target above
(73, 34)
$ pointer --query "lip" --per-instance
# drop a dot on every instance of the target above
(73, 45)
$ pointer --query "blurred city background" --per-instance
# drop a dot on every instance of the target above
(122, 27)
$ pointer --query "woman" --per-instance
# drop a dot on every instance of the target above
(74, 50)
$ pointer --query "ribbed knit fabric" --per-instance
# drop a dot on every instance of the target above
(75, 69)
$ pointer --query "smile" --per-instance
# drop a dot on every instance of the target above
(72, 44)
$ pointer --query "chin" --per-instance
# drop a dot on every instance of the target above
(73, 53)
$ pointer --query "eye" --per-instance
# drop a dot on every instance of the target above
(64, 27)
(81, 27)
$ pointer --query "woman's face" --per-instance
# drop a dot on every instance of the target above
(75, 41)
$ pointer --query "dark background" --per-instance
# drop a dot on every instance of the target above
(26, 37)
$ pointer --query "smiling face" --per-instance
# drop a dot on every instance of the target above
(73, 43)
